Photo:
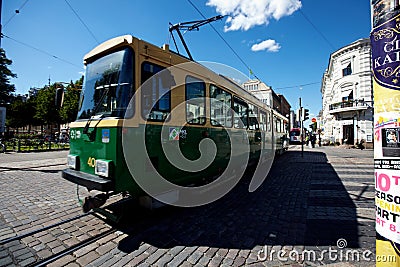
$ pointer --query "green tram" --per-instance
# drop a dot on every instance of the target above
(113, 108)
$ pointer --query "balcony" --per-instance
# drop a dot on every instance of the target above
(350, 105)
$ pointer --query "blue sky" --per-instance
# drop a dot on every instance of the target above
(301, 36)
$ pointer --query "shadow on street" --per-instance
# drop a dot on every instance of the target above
(294, 206)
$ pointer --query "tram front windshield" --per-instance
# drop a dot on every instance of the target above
(108, 86)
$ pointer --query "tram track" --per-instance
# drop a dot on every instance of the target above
(112, 227)
(72, 249)
(31, 168)
(68, 250)
(21, 236)
(128, 227)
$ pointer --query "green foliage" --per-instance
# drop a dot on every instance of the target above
(42, 109)
(46, 111)
(6, 89)
(69, 109)
(20, 113)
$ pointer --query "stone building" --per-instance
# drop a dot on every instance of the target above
(347, 100)
(265, 93)
(261, 91)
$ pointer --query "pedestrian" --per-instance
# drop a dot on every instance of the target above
(361, 144)
(313, 140)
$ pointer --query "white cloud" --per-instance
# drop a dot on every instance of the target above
(269, 45)
(245, 14)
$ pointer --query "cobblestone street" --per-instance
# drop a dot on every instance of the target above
(308, 206)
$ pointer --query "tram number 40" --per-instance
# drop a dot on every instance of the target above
(384, 182)
(91, 162)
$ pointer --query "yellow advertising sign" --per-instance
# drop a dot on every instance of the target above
(385, 43)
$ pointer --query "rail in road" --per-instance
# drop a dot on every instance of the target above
(312, 204)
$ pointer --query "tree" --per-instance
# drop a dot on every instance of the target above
(20, 113)
(69, 109)
(15, 114)
(46, 111)
(6, 89)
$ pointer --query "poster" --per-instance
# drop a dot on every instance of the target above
(385, 43)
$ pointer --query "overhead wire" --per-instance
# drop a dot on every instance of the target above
(315, 27)
(33, 47)
(80, 19)
(317, 30)
(195, 7)
(16, 12)
(226, 42)
(296, 86)
(42, 51)
(246, 65)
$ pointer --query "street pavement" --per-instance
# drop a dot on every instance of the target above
(312, 210)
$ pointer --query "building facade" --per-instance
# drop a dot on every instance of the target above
(347, 100)
(265, 93)
(260, 90)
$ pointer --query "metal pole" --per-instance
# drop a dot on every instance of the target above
(1, 25)
(184, 43)
(301, 127)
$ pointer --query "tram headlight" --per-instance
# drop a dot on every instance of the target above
(72, 161)
(102, 167)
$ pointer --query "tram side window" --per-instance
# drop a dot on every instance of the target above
(269, 121)
(156, 93)
(241, 115)
(221, 103)
(253, 117)
(278, 125)
(195, 90)
(263, 121)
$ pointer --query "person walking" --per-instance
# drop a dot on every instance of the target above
(313, 139)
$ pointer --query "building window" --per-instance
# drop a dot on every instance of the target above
(347, 71)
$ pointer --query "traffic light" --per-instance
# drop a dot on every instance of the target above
(306, 114)
(313, 126)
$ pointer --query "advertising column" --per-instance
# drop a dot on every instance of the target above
(385, 42)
